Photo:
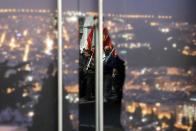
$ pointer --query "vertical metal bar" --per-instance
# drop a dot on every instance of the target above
(99, 71)
(60, 67)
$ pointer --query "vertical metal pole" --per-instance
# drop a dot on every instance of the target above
(99, 71)
(60, 67)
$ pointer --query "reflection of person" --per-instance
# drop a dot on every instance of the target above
(114, 68)
(111, 73)
(109, 68)
(83, 59)
(87, 61)
(119, 77)
(45, 118)
(87, 74)
(90, 79)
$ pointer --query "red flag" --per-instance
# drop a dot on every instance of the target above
(90, 38)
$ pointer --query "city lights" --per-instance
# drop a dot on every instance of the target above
(31, 114)
(2, 39)
(152, 95)
(165, 30)
(49, 43)
(12, 44)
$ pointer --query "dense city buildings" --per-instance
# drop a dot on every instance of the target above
(159, 50)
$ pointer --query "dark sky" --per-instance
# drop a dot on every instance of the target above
(178, 8)
(83, 5)
(51, 4)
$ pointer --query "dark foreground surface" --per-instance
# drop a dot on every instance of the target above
(112, 111)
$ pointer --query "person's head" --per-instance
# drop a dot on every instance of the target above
(93, 49)
(107, 50)
(87, 52)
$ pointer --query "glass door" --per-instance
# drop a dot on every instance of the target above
(79, 42)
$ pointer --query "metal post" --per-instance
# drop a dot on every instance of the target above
(99, 71)
(60, 67)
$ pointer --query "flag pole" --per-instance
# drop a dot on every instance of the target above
(60, 67)
(89, 62)
(107, 58)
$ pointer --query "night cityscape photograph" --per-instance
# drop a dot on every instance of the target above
(156, 39)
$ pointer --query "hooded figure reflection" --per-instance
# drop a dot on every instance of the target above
(114, 70)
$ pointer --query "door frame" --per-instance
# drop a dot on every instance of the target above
(99, 69)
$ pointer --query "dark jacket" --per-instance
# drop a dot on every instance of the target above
(109, 65)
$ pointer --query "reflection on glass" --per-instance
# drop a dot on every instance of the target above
(74, 15)
(70, 69)
(158, 46)
(28, 87)
(88, 40)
